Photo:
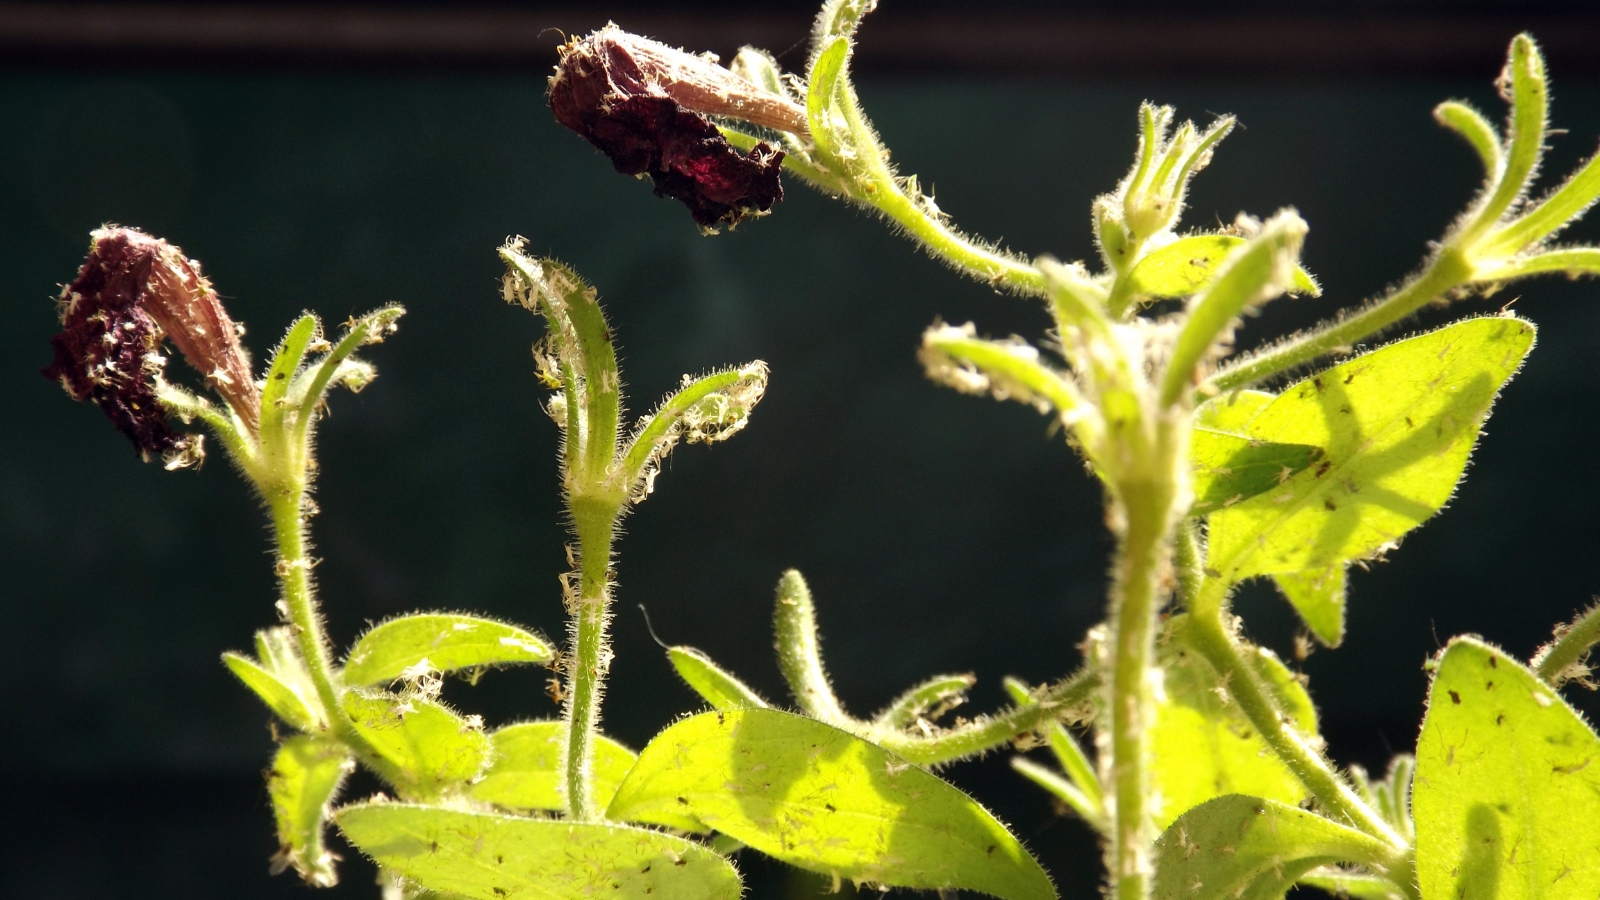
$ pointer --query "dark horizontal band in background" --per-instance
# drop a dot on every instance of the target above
(207, 36)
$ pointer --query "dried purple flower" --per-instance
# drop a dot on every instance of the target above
(132, 291)
(645, 105)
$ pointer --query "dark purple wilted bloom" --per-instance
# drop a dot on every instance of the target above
(645, 105)
(132, 292)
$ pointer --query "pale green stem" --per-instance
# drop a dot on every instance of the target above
(1211, 638)
(984, 735)
(595, 524)
(1448, 270)
(1570, 646)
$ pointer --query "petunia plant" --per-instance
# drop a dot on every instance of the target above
(1193, 752)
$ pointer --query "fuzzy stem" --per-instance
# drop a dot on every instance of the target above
(595, 524)
(1211, 638)
(1569, 646)
(987, 734)
(1448, 270)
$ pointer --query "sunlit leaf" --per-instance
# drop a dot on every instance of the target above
(1229, 468)
(279, 696)
(1203, 746)
(1506, 794)
(305, 774)
(822, 799)
(431, 746)
(497, 857)
(525, 773)
(1319, 598)
(1246, 848)
(1232, 411)
(1186, 265)
(1396, 426)
(714, 684)
(445, 642)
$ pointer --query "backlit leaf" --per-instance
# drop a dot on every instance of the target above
(1203, 746)
(1232, 411)
(431, 746)
(497, 857)
(525, 773)
(273, 691)
(1506, 795)
(1319, 598)
(1186, 265)
(714, 684)
(822, 799)
(445, 641)
(305, 774)
(1229, 468)
(1396, 426)
(1246, 848)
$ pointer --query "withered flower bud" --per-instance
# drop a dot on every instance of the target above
(645, 105)
(132, 291)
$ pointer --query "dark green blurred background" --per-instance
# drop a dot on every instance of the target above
(939, 532)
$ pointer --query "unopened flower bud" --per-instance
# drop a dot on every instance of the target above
(132, 291)
(645, 106)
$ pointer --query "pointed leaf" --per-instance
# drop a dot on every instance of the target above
(496, 857)
(1229, 468)
(432, 747)
(1507, 785)
(1396, 425)
(822, 799)
(526, 770)
(1319, 598)
(716, 686)
(1246, 847)
(305, 774)
(445, 641)
(1203, 745)
(279, 696)
(1186, 265)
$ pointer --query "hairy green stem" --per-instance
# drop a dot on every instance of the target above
(1068, 694)
(595, 523)
(1448, 270)
(1571, 643)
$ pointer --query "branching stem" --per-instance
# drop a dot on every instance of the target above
(1570, 645)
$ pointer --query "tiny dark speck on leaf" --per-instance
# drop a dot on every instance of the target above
(990, 851)
(1455, 698)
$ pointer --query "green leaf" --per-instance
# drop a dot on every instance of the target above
(711, 682)
(1396, 426)
(1229, 468)
(285, 363)
(1233, 411)
(1187, 265)
(305, 774)
(1203, 746)
(445, 642)
(497, 857)
(432, 747)
(280, 678)
(1349, 884)
(526, 772)
(1507, 787)
(1319, 598)
(273, 691)
(1246, 848)
(817, 797)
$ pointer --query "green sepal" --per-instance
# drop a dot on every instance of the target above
(1319, 598)
(498, 857)
(1247, 848)
(1228, 468)
(1396, 425)
(446, 642)
(1187, 265)
(280, 678)
(431, 747)
(526, 774)
(306, 773)
(281, 371)
(1203, 745)
(819, 798)
(714, 684)
(1507, 786)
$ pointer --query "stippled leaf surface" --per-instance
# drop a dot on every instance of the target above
(1203, 746)
(1229, 468)
(1506, 795)
(445, 641)
(822, 799)
(430, 745)
(1186, 265)
(1246, 848)
(305, 774)
(1396, 426)
(497, 857)
(525, 773)
(1319, 598)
